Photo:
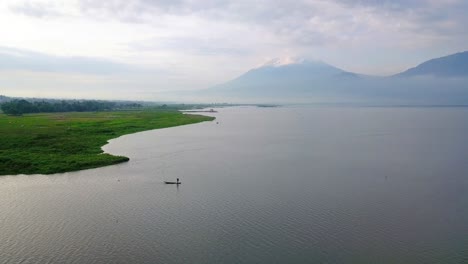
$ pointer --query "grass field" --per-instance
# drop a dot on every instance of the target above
(61, 142)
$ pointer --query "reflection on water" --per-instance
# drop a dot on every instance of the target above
(264, 185)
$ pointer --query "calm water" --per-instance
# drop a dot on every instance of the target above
(265, 185)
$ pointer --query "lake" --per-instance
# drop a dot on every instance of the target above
(259, 185)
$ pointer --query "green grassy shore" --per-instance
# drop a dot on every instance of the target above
(61, 142)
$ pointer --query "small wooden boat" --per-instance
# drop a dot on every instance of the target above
(169, 182)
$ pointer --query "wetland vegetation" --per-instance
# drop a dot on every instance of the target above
(46, 143)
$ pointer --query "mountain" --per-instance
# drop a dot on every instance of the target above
(302, 71)
(455, 65)
(280, 77)
(287, 80)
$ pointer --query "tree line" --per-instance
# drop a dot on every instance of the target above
(21, 106)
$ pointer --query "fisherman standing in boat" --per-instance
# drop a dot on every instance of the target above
(177, 180)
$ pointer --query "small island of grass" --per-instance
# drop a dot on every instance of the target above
(47, 143)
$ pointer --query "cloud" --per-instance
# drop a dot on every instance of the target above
(17, 59)
(423, 16)
(191, 45)
(306, 22)
(35, 9)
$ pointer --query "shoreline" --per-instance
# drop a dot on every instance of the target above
(50, 143)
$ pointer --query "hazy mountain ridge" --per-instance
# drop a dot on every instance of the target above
(294, 76)
(430, 82)
(455, 65)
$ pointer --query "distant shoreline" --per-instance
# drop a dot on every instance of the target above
(199, 111)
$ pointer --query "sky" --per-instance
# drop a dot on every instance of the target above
(138, 49)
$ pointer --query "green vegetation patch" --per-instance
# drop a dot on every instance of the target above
(61, 142)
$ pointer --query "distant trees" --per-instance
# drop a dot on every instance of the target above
(19, 107)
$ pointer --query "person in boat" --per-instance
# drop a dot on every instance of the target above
(177, 180)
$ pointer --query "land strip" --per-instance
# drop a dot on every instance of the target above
(49, 143)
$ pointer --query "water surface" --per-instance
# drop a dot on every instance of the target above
(264, 185)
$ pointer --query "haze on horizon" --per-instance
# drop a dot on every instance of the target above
(137, 49)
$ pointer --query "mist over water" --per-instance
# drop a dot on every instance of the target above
(264, 185)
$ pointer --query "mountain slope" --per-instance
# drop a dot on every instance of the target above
(311, 81)
(286, 78)
(455, 65)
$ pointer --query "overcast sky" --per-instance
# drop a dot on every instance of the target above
(133, 49)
